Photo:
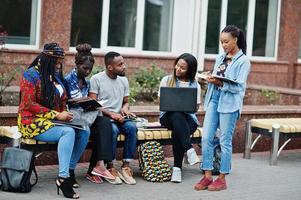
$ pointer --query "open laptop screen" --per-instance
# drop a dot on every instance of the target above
(178, 99)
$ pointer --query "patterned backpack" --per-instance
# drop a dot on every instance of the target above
(152, 164)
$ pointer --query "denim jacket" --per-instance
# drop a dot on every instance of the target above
(73, 90)
(232, 94)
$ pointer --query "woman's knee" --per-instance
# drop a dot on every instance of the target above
(68, 132)
(226, 144)
(175, 116)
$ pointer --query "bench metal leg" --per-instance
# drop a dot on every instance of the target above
(282, 147)
(275, 144)
(248, 141)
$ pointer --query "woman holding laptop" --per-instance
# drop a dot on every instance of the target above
(182, 124)
(223, 104)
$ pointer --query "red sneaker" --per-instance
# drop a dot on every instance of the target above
(203, 184)
(103, 173)
(218, 185)
(94, 178)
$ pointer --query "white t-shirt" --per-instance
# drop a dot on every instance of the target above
(110, 92)
(164, 80)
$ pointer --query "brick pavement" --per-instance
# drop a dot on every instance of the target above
(250, 179)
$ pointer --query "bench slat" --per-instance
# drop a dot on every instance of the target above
(287, 125)
(142, 135)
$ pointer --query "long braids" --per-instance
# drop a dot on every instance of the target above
(45, 63)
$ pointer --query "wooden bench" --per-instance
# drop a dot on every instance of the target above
(276, 128)
(10, 135)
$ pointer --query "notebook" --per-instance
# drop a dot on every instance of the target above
(75, 123)
(205, 76)
(87, 103)
(178, 99)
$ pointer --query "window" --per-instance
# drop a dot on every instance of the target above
(132, 25)
(260, 16)
(265, 28)
(11, 12)
(157, 25)
(86, 22)
(122, 23)
(213, 26)
(237, 13)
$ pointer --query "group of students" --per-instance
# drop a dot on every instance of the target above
(44, 95)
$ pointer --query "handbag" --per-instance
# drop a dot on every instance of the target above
(16, 170)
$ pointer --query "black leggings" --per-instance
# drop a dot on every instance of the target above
(182, 126)
(101, 135)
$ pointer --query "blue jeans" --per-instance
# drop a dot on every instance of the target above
(129, 129)
(71, 145)
(226, 122)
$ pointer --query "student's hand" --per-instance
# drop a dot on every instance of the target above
(117, 117)
(127, 113)
(124, 111)
(65, 116)
(215, 81)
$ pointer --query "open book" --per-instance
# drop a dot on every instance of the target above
(224, 79)
(75, 123)
(205, 76)
(87, 103)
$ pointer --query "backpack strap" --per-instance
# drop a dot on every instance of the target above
(36, 176)
(7, 179)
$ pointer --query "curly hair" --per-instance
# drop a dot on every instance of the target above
(84, 54)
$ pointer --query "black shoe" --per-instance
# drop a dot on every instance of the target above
(66, 186)
(73, 180)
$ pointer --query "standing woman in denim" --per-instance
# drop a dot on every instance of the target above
(223, 105)
(181, 124)
(43, 98)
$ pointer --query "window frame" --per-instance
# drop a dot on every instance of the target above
(38, 5)
(138, 49)
(250, 26)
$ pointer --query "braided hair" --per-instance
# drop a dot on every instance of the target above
(45, 63)
(84, 54)
(236, 32)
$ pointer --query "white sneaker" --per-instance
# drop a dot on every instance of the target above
(176, 175)
(192, 157)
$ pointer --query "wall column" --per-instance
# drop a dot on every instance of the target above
(56, 22)
(289, 37)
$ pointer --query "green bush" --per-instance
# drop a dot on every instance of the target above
(270, 95)
(95, 70)
(144, 84)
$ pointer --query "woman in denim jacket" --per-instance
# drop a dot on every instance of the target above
(223, 105)
(181, 124)
(78, 86)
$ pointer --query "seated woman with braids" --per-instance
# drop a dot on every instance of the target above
(43, 98)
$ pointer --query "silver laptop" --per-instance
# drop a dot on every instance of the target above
(178, 99)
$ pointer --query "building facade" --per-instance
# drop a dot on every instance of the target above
(157, 31)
